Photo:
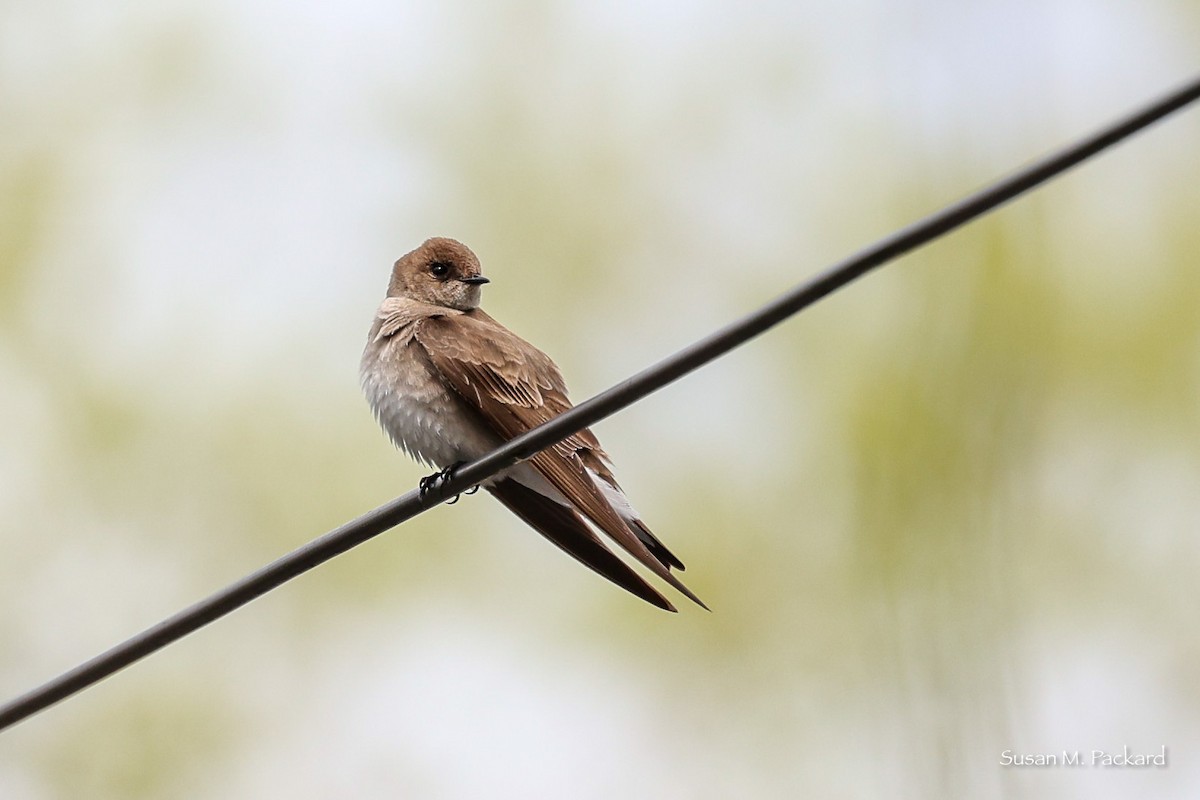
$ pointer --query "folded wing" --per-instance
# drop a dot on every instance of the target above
(515, 387)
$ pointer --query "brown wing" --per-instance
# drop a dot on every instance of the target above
(515, 387)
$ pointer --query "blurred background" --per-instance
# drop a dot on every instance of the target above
(949, 512)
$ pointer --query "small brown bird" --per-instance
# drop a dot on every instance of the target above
(449, 384)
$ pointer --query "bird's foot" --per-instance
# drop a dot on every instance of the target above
(432, 482)
(472, 490)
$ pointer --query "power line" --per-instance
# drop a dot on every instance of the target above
(591, 411)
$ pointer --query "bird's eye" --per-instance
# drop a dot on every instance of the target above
(439, 269)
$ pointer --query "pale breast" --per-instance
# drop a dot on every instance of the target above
(416, 410)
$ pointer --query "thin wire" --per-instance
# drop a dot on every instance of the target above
(589, 412)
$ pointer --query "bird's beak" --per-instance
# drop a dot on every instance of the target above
(475, 279)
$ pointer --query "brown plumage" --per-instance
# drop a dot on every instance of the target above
(449, 383)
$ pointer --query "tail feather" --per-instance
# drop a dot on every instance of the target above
(655, 546)
(566, 529)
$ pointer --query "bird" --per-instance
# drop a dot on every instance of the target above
(448, 384)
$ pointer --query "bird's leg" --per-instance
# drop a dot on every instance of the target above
(432, 482)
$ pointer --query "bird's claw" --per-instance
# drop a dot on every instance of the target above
(432, 482)
(472, 490)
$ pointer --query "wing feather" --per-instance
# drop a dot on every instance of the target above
(515, 387)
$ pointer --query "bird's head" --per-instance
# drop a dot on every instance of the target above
(442, 272)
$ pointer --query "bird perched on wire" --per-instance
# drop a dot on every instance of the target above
(449, 384)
